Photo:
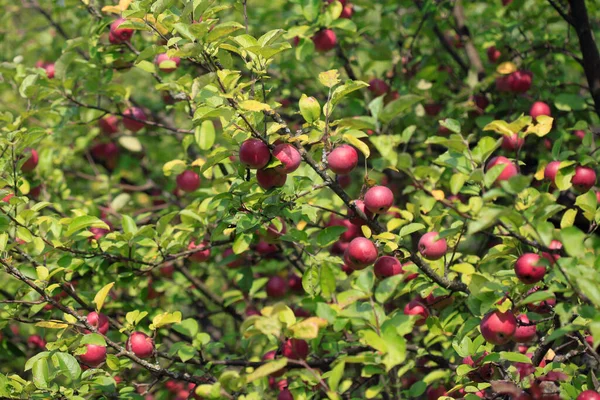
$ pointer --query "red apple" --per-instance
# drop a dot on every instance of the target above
(361, 253)
(354, 218)
(343, 180)
(254, 154)
(119, 35)
(31, 162)
(270, 178)
(588, 395)
(528, 268)
(188, 181)
(379, 199)
(264, 248)
(506, 2)
(295, 349)
(584, 178)
(493, 54)
(434, 393)
(140, 344)
(502, 83)
(343, 159)
(432, 109)
(552, 257)
(510, 169)
(49, 70)
(512, 143)
(481, 101)
(579, 134)
(387, 266)
(430, 248)
(378, 87)
(109, 124)
(551, 170)
(324, 40)
(285, 394)
(339, 248)
(295, 283)
(497, 327)
(524, 333)
(483, 372)
(520, 81)
(98, 321)
(276, 287)
(94, 356)
(200, 255)
(163, 57)
(352, 231)
(415, 307)
(134, 118)
(238, 261)
(36, 341)
(410, 276)
(288, 156)
(347, 11)
(539, 108)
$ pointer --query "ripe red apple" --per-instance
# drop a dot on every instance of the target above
(579, 134)
(296, 349)
(49, 70)
(94, 356)
(502, 83)
(343, 180)
(584, 178)
(36, 341)
(539, 108)
(528, 268)
(276, 287)
(339, 248)
(415, 307)
(430, 248)
(288, 156)
(552, 257)
(509, 170)
(200, 255)
(410, 276)
(133, 119)
(119, 35)
(588, 395)
(31, 162)
(520, 81)
(285, 394)
(238, 261)
(524, 333)
(347, 11)
(98, 321)
(343, 159)
(481, 101)
(497, 327)
(188, 181)
(378, 87)
(163, 57)
(432, 109)
(295, 283)
(387, 266)
(264, 248)
(361, 253)
(512, 143)
(542, 307)
(324, 40)
(434, 393)
(250, 311)
(270, 178)
(379, 199)
(355, 219)
(493, 54)
(104, 151)
(551, 170)
(140, 344)
(352, 231)
(506, 2)
(254, 154)
(109, 124)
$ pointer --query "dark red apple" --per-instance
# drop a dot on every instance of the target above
(140, 344)
(276, 287)
(432, 248)
(524, 333)
(378, 87)
(520, 81)
(512, 143)
(31, 162)
(295, 349)
(497, 327)
(493, 54)
(254, 154)
(264, 248)
(98, 321)
(109, 124)
(202, 254)
(387, 266)
(415, 307)
(529, 269)
(94, 356)
(357, 220)
(432, 109)
(502, 83)
(379, 199)
(361, 253)
(352, 231)
(50, 70)
(238, 261)
(343, 159)
(295, 283)
(285, 394)
(288, 156)
(134, 118)
(270, 178)
(324, 40)
(510, 169)
(188, 181)
(343, 180)
(435, 392)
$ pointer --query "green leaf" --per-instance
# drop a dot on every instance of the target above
(128, 224)
(242, 243)
(68, 365)
(514, 357)
(309, 108)
(398, 106)
(342, 91)
(569, 102)
(93, 338)
(359, 144)
(34, 359)
(83, 222)
(311, 9)
(205, 135)
(410, 228)
(588, 204)
(188, 327)
(223, 29)
(267, 369)
(28, 87)
(164, 319)
(41, 375)
(335, 376)
(572, 239)
(329, 235)
(310, 280)
(101, 296)
(451, 124)
(329, 78)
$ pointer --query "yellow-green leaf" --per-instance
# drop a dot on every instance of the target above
(267, 369)
(253, 105)
(362, 146)
(329, 78)
(165, 319)
(308, 328)
(52, 324)
(101, 296)
(42, 273)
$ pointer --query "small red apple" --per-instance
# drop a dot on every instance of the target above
(339, 248)
(49, 70)
(352, 231)
(497, 327)
(238, 261)
(434, 393)
(387, 266)
(512, 143)
(163, 57)
(510, 169)
(539, 108)
(552, 257)
(524, 333)
(31, 162)
(296, 349)
(579, 134)
(432, 109)
(200, 255)
(520, 81)
(36, 341)
(347, 11)
(134, 118)
(119, 35)
(98, 321)
(528, 268)
(324, 40)
(502, 83)
(378, 87)
(270, 178)
(344, 180)
(264, 248)
(354, 218)
(481, 101)
(94, 356)
(288, 156)
(379, 199)
(295, 283)
(140, 344)
(588, 395)
(254, 154)
(415, 307)
(343, 159)
(276, 287)
(483, 372)
(285, 394)
(430, 248)
(109, 124)
(361, 253)
(188, 181)
(542, 307)
(410, 276)
(584, 178)
(551, 170)
(493, 54)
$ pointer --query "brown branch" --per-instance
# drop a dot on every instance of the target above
(465, 36)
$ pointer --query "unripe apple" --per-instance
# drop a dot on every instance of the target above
(552, 257)
(493, 54)
(432, 109)
(324, 40)
(512, 142)
(430, 248)
(133, 119)
(497, 327)
(270, 178)
(296, 349)
(520, 81)
(584, 178)
(36, 341)
(163, 57)
(200, 255)
(285, 394)
(343, 159)
(49, 70)
(276, 287)
(254, 154)
(109, 124)
(510, 169)
(31, 162)
(188, 181)
(378, 87)
(387, 266)
(347, 11)
(524, 333)
(551, 170)
(588, 395)
(98, 321)
(379, 199)
(288, 156)
(140, 344)
(355, 218)
(94, 356)
(539, 108)
(361, 253)
(119, 35)
(415, 307)
(528, 268)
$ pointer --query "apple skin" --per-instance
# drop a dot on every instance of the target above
(36, 341)
(432, 109)
(109, 125)
(501, 84)
(344, 180)
(524, 333)
(512, 143)
(528, 268)
(133, 119)
(31, 162)
(188, 181)
(551, 170)
(347, 11)
(355, 219)
(289, 157)
(430, 248)
(415, 307)
(266, 249)
(539, 108)
(164, 57)
(343, 159)
(481, 102)
(339, 248)
(387, 266)
(520, 81)
(295, 283)
(579, 134)
(410, 276)
(99, 321)
(493, 54)
(276, 287)
(378, 87)
(552, 257)
(509, 171)
(497, 328)
(270, 178)
(434, 393)
(254, 154)
(584, 178)
(140, 344)
(324, 40)
(361, 253)
(200, 255)
(119, 35)
(50, 70)
(94, 356)
(285, 394)
(296, 349)
(588, 395)
(379, 199)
